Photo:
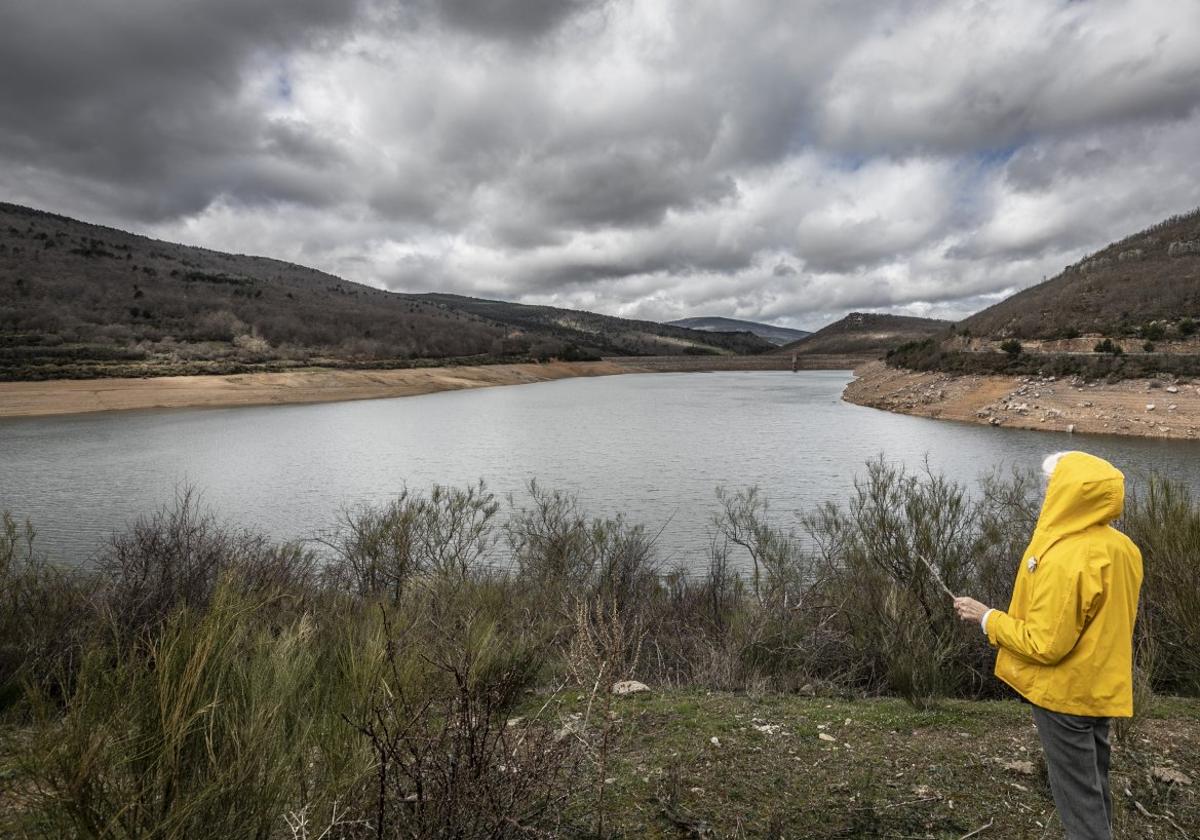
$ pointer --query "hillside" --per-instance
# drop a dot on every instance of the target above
(602, 333)
(865, 334)
(776, 335)
(1129, 311)
(79, 300)
(1120, 290)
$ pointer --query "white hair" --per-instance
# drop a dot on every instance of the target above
(1051, 461)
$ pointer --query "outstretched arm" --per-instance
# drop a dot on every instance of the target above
(1060, 608)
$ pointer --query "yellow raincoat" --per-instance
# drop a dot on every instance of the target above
(1066, 642)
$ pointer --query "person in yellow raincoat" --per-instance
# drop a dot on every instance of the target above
(1066, 641)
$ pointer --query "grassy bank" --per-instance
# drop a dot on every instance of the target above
(441, 667)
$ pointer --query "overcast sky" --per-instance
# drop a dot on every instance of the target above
(776, 160)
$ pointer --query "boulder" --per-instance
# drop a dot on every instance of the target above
(629, 687)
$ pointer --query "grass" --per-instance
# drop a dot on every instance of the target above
(892, 770)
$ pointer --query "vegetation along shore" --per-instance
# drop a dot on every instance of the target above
(451, 664)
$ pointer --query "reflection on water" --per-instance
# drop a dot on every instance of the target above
(654, 446)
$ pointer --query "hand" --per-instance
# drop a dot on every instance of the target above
(969, 609)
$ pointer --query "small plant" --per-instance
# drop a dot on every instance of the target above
(1011, 346)
(1154, 331)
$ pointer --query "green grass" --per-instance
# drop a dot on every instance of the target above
(892, 771)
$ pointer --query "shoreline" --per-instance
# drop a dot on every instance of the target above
(59, 397)
(1131, 408)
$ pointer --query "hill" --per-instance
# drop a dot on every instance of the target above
(603, 334)
(1128, 311)
(865, 334)
(776, 335)
(1120, 290)
(79, 300)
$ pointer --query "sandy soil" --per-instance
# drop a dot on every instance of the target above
(79, 396)
(1139, 407)
(75, 396)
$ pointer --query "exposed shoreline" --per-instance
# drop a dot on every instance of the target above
(82, 396)
(316, 385)
(1031, 402)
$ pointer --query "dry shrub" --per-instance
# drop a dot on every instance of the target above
(1164, 522)
(176, 556)
(449, 761)
(379, 551)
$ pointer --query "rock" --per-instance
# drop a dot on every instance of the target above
(1172, 407)
(1149, 406)
(1171, 389)
(629, 687)
(715, 741)
(1025, 768)
(825, 736)
(514, 721)
(994, 421)
(1070, 428)
(1169, 775)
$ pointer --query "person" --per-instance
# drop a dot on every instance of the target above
(1066, 641)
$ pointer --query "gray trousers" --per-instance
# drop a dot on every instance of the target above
(1077, 755)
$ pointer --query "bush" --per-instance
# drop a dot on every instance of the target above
(1163, 519)
(378, 551)
(216, 729)
(1012, 347)
(175, 558)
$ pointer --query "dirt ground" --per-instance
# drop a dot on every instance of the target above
(76, 396)
(1137, 407)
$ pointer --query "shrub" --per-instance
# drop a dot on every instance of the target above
(1012, 347)
(215, 729)
(446, 761)
(176, 556)
(1163, 519)
(378, 551)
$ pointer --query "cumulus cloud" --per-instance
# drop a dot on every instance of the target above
(764, 159)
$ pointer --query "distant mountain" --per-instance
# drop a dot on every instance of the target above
(1150, 276)
(776, 335)
(79, 300)
(866, 334)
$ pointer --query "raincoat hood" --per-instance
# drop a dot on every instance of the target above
(1083, 491)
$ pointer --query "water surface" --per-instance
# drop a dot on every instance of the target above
(653, 446)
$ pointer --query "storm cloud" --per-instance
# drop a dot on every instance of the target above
(765, 159)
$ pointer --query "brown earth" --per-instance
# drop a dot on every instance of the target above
(1137, 407)
(77, 396)
(74, 396)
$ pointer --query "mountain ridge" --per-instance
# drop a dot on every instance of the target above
(776, 335)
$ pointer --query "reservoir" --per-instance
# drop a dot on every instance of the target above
(651, 446)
